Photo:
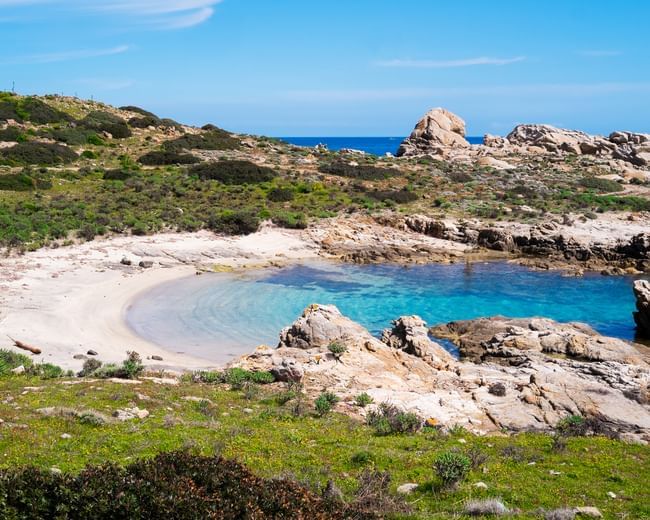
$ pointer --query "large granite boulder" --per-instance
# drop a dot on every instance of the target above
(642, 314)
(550, 138)
(544, 370)
(436, 132)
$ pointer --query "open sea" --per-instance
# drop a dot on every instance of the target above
(372, 145)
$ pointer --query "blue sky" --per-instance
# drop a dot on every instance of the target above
(354, 67)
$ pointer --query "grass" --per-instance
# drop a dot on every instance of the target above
(271, 441)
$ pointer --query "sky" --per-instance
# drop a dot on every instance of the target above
(340, 67)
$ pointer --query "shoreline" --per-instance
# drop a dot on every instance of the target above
(69, 300)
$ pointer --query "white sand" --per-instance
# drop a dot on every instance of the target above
(69, 300)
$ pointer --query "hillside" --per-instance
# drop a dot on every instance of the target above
(73, 169)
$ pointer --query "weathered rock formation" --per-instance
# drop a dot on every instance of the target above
(442, 133)
(544, 371)
(642, 314)
(437, 131)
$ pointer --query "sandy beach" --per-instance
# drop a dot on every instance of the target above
(69, 300)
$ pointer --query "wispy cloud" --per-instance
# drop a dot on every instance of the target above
(599, 53)
(53, 57)
(446, 64)
(160, 14)
(537, 89)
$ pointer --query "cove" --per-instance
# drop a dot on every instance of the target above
(223, 315)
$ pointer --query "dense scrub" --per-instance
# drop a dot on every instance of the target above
(358, 171)
(37, 153)
(100, 121)
(166, 157)
(30, 109)
(172, 485)
(212, 139)
(233, 172)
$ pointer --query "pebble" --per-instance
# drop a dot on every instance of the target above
(481, 485)
(591, 512)
(462, 441)
(247, 410)
(55, 471)
(66, 436)
(611, 494)
(91, 353)
(553, 472)
(407, 489)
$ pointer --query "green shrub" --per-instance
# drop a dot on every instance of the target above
(388, 419)
(89, 367)
(8, 111)
(144, 122)
(337, 349)
(451, 467)
(280, 195)
(363, 400)
(13, 359)
(398, 196)
(361, 458)
(325, 402)
(163, 158)
(117, 175)
(216, 139)
(460, 176)
(35, 152)
(233, 172)
(106, 122)
(11, 133)
(600, 185)
(362, 171)
(233, 222)
(94, 139)
(138, 110)
(41, 113)
(130, 368)
(290, 220)
(171, 485)
(17, 182)
(89, 154)
(46, 371)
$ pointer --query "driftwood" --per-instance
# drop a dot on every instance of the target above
(25, 346)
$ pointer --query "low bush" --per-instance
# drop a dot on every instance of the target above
(130, 368)
(12, 359)
(144, 122)
(398, 196)
(89, 367)
(22, 182)
(363, 400)
(164, 158)
(337, 350)
(233, 172)
(117, 175)
(280, 195)
(358, 171)
(460, 176)
(485, 507)
(106, 122)
(38, 153)
(46, 371)
(171, 485)
(138, 110)
(39, 112)
(11, 133)
(290, 220)
(233, 222)
(215, 139)
(600, 185)
(235, 377)
(451, 467)
(325, 402)
(388, 419)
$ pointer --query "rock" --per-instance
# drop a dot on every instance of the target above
(410, 334)
(407, 489)
(437, 131)
(66, 436)
(91, 353)
(497, 164)
(56, 471)
(125, 261)
(128, 414)
(611, 494)
(146, 264)
(589, 512)
(551, 370)
(79, 357)
(247, 410)
(549, 137)
(642, 314)
(18, 370)
(481, 485)
(156, 358)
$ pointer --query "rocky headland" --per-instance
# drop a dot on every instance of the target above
(513, 375)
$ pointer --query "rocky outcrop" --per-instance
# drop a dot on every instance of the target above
(410, 334)
(642, 314)
(543, 371)
(437, 131)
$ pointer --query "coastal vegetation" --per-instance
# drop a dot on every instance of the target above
(72, 170)
(66, 449)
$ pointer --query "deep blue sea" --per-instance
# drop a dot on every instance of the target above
(218, 316)
(373, 145)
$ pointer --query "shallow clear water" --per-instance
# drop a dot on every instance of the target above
(373, 145)
(218, 316)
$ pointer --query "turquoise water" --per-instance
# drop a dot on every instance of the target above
(218, 316)
(373, 145)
